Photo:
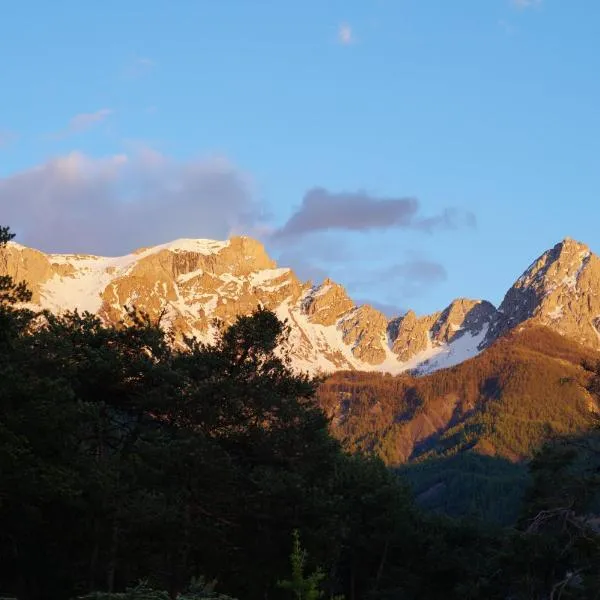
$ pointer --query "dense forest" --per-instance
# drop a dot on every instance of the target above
(462, 436)
(133, 470)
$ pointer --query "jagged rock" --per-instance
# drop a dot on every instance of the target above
(187, 284)
(462, 316)
(560, 289)
(411, 334)
(364, 330)
(327, 303)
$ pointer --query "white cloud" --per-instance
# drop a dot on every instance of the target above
(113, 205)
(345, 35)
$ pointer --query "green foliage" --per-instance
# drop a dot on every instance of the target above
(124, 459)
(303, 587)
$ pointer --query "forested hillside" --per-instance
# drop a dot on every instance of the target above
(124, 460)
(462, 435)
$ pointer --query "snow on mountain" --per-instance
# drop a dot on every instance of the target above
(191, 282)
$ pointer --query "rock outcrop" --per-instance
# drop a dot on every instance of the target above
(560, 289)
(187, 284)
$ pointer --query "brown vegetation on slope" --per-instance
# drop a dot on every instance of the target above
(504, 402)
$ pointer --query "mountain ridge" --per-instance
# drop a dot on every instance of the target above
(191, 282)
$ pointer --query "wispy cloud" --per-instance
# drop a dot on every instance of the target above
(322, 210)
(345, 35)
(523, 4)
(83, 122)
(113, 205)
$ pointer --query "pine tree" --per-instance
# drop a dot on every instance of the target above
(303, 587)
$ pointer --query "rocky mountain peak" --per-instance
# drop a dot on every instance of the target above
(559, 289)
(461, 316)
(190, 282)
(326, 303)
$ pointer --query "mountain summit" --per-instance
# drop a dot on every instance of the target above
(560, 289)
(190, 283)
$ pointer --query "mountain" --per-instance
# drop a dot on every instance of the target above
(188, 283)
(502, 403)
(560, 289)
(462, 435)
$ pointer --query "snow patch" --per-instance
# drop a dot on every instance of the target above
(267, 275)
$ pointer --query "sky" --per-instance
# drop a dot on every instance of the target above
(413, 150)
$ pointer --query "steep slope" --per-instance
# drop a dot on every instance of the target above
(501, 403)
(187, 284)
(560, 289)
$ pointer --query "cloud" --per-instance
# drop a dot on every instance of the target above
(83, 122)
(113, 205)
(345, 35)
(450, 218)
(322, 210)
(523, 4)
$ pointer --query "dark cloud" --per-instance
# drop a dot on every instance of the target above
(117, 204)
(322, 210)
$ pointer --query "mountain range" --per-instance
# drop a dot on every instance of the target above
(189, 283)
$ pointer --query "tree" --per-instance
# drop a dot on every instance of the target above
(303, 587)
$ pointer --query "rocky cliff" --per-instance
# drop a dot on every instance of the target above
(187, 284)
(190, 283)
(560, 289)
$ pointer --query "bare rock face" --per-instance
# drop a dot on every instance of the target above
(188, 284)
(327, 303)
(26, 264)
(364, 330)
(560, 289)
(410, 334)
(463, 316)
(434, 339)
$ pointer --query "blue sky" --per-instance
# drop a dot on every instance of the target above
(470, 127)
